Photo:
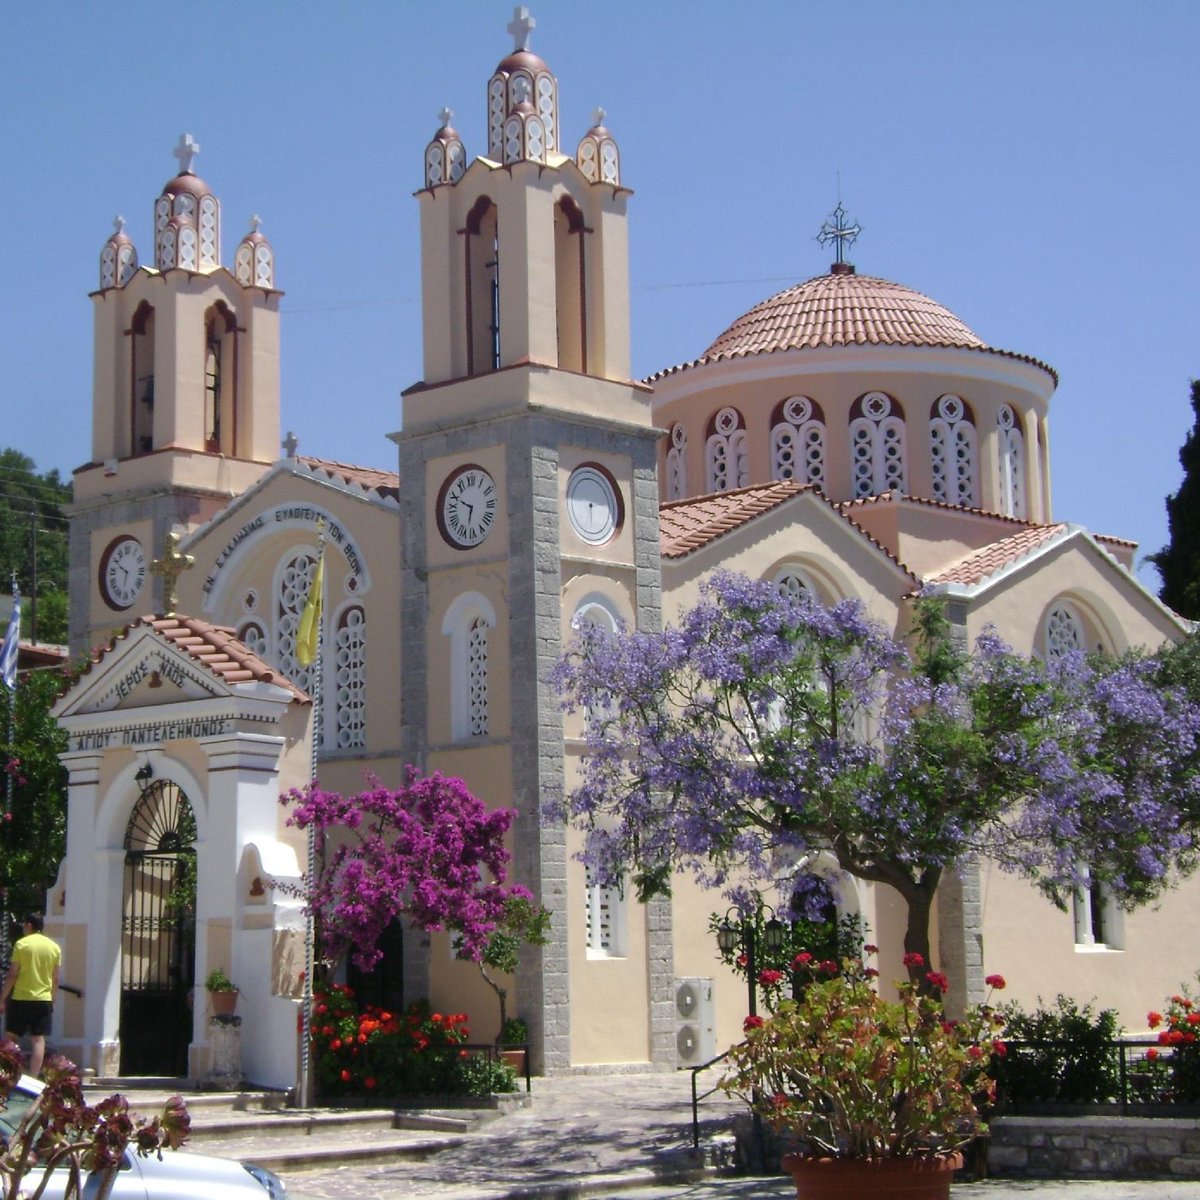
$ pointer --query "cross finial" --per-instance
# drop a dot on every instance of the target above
(170, 567)
(446, 116)
(521, 26)
(118, 224)
(187, 149)
(290, 443)
(598, 118)
(837, 231)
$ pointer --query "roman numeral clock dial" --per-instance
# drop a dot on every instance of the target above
(122, 572)
(467, 507)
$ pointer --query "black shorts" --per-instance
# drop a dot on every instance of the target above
(29, 1016)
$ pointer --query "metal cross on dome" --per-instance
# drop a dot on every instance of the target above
(187, 149)
(521, 26)
(837, 231)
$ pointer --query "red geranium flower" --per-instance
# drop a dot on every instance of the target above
(914, 960)
(802, 959)
(769, 977)
(753, 1022)
(937, 981)
(999, 1049)
(1154, 1019)
(996, 981)
(345, 1075)
(869, 949)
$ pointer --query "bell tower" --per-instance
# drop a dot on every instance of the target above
(529, 495)
(185, 396)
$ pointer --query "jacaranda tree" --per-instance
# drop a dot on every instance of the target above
(763, 730)
(430, 852)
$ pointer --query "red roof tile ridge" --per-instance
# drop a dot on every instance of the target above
(981, 564)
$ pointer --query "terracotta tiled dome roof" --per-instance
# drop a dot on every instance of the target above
(844, 309)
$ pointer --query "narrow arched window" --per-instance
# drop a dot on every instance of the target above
(482, 270)
(220, 380)
(677, 486)
(877, 445)
(1011, 449)
(141, 401)
(798, 441)
(570, 285)
(727, 452)
(952, 452)
(1064, 631)
(350, 659)
(468, 624)
(293, 580)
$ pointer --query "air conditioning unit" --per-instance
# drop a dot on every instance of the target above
(695, 1022)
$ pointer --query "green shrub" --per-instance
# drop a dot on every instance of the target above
(1069, 1056)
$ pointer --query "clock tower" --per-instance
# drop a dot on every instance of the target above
(530, 503)
(185, 397)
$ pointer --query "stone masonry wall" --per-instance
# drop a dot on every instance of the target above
(1115, 1147)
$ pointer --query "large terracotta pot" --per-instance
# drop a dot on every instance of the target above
(872, 1178)
(224, 1004)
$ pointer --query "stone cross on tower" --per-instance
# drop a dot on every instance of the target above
(187, 149)
(837, 231)
(290, 444)
(521, 26)
(170, 567)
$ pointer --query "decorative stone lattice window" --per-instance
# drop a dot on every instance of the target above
(254, 636)
(727, 452)
(606, 919)
(952, 452)
(794, 582)
(294, 579)
(1064, 631)
(477, 668)
(677, 464)
(798, 441)
(877, 445)
(351, 669)
(1011, 449)
(468, 623)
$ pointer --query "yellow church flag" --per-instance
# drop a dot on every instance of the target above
(310, 619)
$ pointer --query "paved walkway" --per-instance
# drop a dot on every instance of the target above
(619, 1135)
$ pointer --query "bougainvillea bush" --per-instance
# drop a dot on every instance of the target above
(371, 1051)
(853, 1075)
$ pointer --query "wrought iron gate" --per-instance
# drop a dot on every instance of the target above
(158, 924)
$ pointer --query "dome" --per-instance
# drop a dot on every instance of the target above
(843, 309)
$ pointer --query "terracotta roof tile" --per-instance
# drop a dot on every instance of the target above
(215, 647)
(844, 309)
(981, 564)
(370, 479)
(687, 525)
(904, 498)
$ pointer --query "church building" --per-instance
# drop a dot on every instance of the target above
(848, 436)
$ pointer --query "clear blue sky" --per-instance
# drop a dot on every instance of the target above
(1033, 166)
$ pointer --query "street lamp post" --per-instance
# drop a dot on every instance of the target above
(743, 932)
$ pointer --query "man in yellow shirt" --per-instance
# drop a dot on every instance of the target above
(29, 988)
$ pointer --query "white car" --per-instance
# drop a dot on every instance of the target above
(178, 1175)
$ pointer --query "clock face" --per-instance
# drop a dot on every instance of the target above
(467, 506)
(122, 572)
(593, 505)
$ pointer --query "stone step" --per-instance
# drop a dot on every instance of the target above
(329, 1147)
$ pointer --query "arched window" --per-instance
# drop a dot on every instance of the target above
(1099, 921)
(596, 612)
(798, 441)
(141, 403)
(483, 288)
(254, 637)
(877, 445)
(1011, 447)
(220, 380)
(794, 582)
(570, 285)
(1064, 631)
(292, 582)
(952, 452)
(350, 657)
(677, 463)
(468, 624)
(727, 452)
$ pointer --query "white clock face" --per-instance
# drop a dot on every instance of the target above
(593, 507)
(467, 507)
(122, 572)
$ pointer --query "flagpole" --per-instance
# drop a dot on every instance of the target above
(9, 656)
(305, 1098)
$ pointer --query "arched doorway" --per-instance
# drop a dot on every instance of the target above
(158, 932)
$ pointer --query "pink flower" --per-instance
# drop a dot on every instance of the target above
(999, 1049)
(937, 981)
(914, 960)
(802, 959)
(829, 967)
(996, 981)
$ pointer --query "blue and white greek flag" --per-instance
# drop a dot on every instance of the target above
(8, 651)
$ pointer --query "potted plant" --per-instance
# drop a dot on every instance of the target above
(513, 1041)
(222, 993)
(880, 1094)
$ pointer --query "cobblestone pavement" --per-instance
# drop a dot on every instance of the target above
(618, 1135)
